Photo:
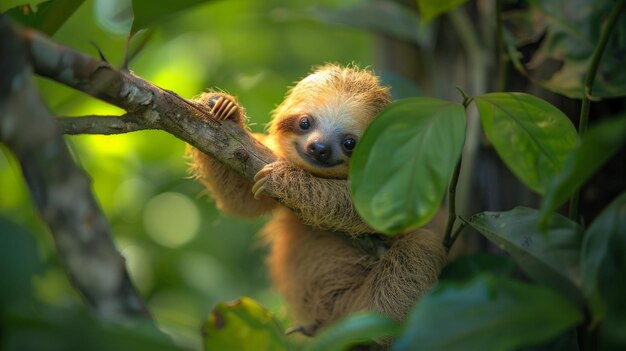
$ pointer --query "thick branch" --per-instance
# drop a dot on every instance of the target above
(60, 190)
(153, 107)
(106, 125)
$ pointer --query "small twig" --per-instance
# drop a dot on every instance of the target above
(458, 232)
(100, 124)
(587, 91)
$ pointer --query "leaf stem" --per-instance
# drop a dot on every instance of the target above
(502, 56)
(448, 239)
(587, 89)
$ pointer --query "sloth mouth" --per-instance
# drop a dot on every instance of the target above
(315, 162)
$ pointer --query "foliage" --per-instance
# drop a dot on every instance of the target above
(483, 301)
(404, 193)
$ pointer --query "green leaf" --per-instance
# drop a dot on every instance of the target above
(429, 9)
(470, 266)
(242, 325)
(48, 17)
(19, 262)
(384, 17)
(357, 328)
(402, 164)
(570, 30)
(487, 313)
(597, 146)
(532, 137)
(603, 266)
(148, 12)
(550, 258)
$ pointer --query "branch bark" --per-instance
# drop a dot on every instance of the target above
(60, 190)
(150, 106)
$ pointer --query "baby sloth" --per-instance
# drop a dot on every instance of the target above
(319, 259)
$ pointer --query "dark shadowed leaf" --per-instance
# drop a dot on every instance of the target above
(403, 163)
(383, 17)
(488, 313)
(468, 267)
(49, 15)
(603, 266)
(18, 262)
(355, 329)
(550, 258)
(597, 146)
(242, 325)
(429, 9)
(531, 136)
(570, 31)
(148, 12)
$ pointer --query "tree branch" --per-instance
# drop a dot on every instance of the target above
(151, 106)
(60, 190)
(106, 125)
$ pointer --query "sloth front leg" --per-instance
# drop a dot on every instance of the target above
(231, 192)
(320, 202)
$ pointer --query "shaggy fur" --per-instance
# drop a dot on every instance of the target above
(315, 260)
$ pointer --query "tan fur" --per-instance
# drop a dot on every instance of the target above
(315, 260)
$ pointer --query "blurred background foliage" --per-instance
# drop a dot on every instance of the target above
(182, 255)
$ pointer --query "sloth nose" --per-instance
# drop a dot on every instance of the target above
(319, 151)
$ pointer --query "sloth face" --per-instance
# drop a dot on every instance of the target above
(318, 145)
(323, 117)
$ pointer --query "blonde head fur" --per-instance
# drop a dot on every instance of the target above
(339, 103)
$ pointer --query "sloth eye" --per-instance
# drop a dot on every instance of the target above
(304, 123)
(349, 144)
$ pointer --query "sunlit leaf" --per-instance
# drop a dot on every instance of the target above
(49, 15)
(384, 17)
(531, 136)
(550, 258)
(488, 313)
(603, 266)
(403, 163)
(429, 9)
(148, 12)
(597, 146)
(355, 329)
(242, 325)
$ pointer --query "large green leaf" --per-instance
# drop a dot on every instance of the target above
(49, 16)
(570, 31)
(355, 329)
(551, 258)
(597, 146)
(603, 266)
(242, 325)
(532, 137)
(402, 165)
(148, 12)
(429, 9)
(384, 17)
(487, 313)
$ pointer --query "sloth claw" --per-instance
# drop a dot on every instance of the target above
(223, 108)
(260, 179)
